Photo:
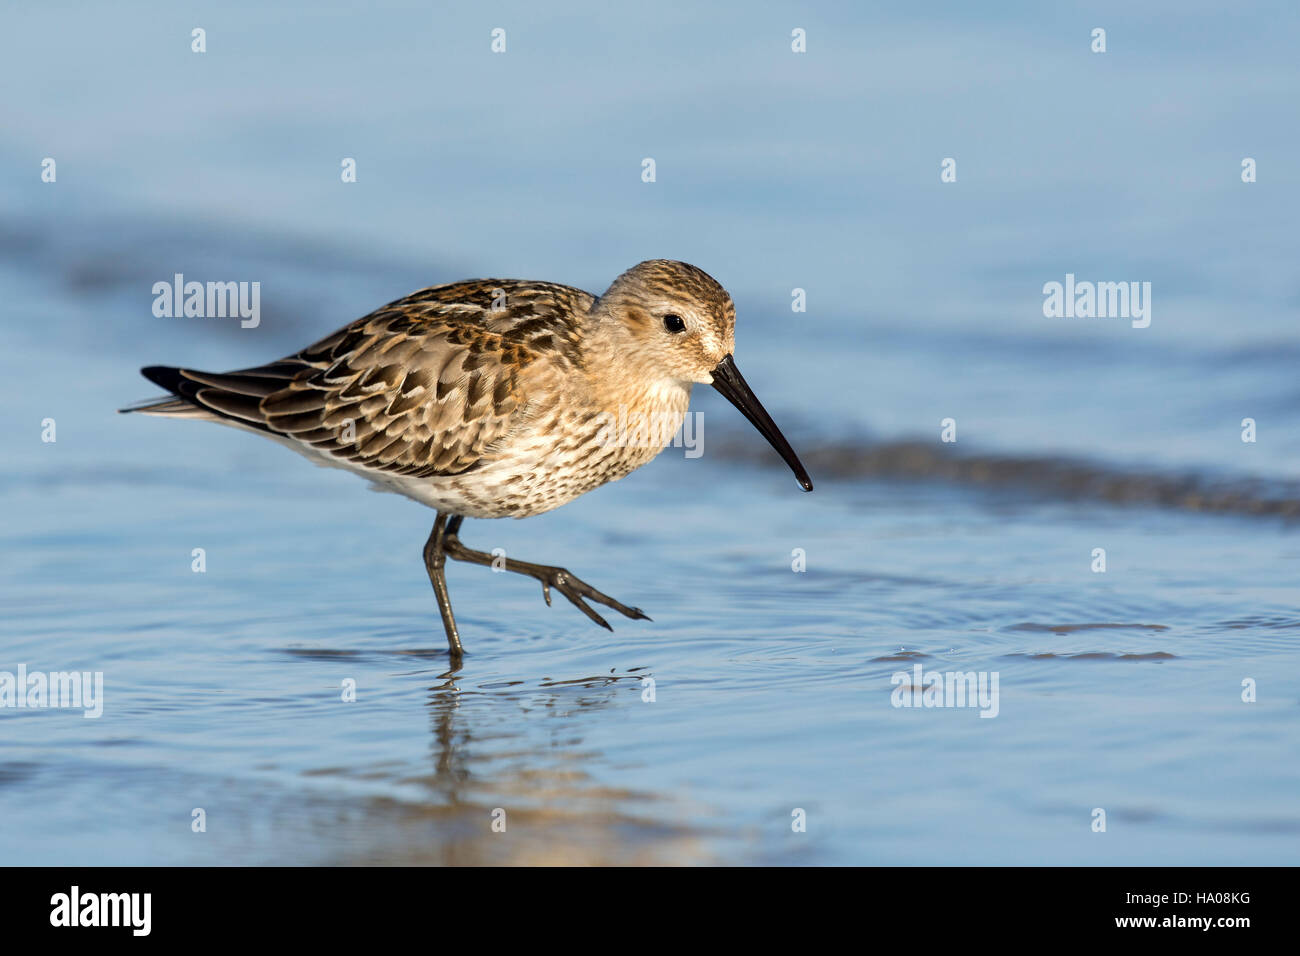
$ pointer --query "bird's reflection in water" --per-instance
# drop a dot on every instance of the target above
(450, 765)
(498, 796)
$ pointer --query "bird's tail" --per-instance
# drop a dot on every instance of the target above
(231, 398)
(175, 405)
(169, 408)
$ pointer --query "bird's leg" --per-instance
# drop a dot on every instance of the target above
(435, 560)
(568, 584)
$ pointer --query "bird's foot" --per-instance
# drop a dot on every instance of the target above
(575, 589)
(564, 581)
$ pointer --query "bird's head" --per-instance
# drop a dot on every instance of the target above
(676, 322)
(679, 320)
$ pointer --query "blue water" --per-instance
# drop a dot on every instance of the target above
(1120, 691)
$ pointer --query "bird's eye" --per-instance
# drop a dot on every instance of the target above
(674, 323)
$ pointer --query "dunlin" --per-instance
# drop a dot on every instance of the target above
(494, 398)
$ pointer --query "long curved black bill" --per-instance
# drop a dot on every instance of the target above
(728, 380)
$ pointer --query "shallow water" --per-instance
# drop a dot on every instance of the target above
(772, 689)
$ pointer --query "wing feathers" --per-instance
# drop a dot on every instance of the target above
(426, 386)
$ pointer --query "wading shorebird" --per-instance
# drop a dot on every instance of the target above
(494, 398)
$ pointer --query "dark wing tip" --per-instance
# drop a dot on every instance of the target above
(164, 376)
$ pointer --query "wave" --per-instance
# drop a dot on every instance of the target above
(1046, 476)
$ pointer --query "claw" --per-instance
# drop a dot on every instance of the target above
(592, 614)
(633, 612)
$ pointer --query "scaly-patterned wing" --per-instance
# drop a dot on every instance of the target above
(423, 387)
